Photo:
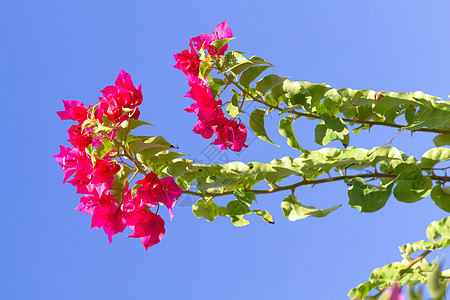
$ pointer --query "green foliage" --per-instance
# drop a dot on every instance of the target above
(294, 210)
(257, 125)
(412, 271)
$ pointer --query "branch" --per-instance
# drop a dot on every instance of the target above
(314, 116)
(311, 182)
(414, 261)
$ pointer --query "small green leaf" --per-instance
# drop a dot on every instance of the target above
(412, 185)
(285, 129)
(257, 125)
(294, 210)
(207, 209)
(331, 129)
(434, 156)
(439, 228)
(233, 108)
(232, 60)
(268, 82)
(251, 74)
(103, 149)
(442, 140)
(259, 61)
(366, 197)
(441, 198)
(264, 215)
(220, 43)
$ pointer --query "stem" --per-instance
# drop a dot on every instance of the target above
(312, 182)
(414, 261)
(313, 116)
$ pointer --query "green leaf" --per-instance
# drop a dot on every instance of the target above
(120, 178)
(233, 108)
(439, 228)
(366, 197)
(232, 60)
(412, 185)
(437, 289)
(133, 124)
(264, 215)
(268, 82)
(285, 129)
(431, 118)
(251, 74)
(317, 91)
(220, 43)
(257, 125)
(442, 140)
(294, 210)
(441, 198)
(259, 61)
(331, 129)
(362, 290)
(434, 156)
(410, 248)
(207, 209)
(103, 149)
(236, 209)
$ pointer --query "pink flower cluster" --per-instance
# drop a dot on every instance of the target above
(211, 119)
(113, 207)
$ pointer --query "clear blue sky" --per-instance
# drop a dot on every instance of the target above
(54, 50)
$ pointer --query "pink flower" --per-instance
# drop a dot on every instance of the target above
(109, 216)
(230, 134)
(171, 192)
(154, 190)
(396, 293)
(74, 110)
(188, 61)
(72, 160)
(222, 32)
(205, 106)
(147, 226)
(122, 95)
(204, 129)
(104, 172)
(78, 138)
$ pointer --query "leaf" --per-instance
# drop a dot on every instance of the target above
(434, 156)
(294, 210)
(439, 228)
(441, 198)
(233, 108)
(251, 74)
(207, 209)
(103, 149)
(232, 60)
(285, 129)
(412, 185)
(264, 215)
(268, 82)
(442, 140)
(366, 197)
(133, 124)
(437, 289)
(236, 209)
(331, 129)
(259, 61)
(410, 248)
(220, 43)
(257, 125)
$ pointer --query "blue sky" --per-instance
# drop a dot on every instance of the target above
(54, 50)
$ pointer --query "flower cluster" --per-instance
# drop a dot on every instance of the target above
(211, 120)
(107, 196)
